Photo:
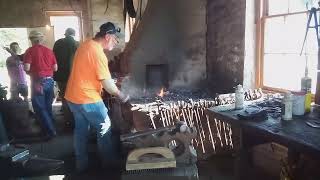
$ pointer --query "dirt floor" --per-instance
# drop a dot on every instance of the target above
(61, 147)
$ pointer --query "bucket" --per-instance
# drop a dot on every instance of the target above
(298, 103)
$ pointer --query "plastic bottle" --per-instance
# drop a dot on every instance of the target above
(286, 109)
(298, 103)
(307, 104)
(306, 88)
(239, 97)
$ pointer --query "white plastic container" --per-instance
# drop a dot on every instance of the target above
(298, 102)
(239, 97)
(286, 109)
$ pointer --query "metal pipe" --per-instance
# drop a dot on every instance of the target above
(184, 117)
(218, 132)
(202, 131)
(162, 118)
(171, 113)
(230, 135)
(145, 133)
(220, 129)
(152, 121)
(169, 118)
(210, 132)
(166, 117)
(225, 134)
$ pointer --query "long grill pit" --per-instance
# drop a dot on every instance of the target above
(167, 108)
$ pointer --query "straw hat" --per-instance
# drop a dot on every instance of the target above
(35, 35)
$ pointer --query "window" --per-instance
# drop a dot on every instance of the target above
(61, 20)
(282, 29)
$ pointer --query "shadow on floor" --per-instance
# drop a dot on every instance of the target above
(216, 168)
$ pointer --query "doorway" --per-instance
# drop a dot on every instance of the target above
(63, 20)
(19, 35)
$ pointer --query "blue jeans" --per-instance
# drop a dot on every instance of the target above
(92, 115)
(42, 97)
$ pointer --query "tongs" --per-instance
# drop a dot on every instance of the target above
(313, 123)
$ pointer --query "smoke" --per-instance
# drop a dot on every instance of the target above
(128, 86)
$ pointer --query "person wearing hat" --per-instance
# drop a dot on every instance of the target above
(18, 81)
(40, 63)
(64, 50)
(89, 74)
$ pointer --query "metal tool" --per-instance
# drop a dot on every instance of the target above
(161, 143)
(313, 123)
(313, 12)
(145, 158)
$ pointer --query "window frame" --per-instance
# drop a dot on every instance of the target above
(260, 18)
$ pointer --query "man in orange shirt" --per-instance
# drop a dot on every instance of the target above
(89, 74)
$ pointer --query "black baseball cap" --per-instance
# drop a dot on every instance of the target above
(109, 28)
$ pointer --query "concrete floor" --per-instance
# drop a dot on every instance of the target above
(61, 147)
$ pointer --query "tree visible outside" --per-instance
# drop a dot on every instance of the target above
(7, 36)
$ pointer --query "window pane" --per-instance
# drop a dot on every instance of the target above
(311, 3)
(313, 64)
(297, 6)
(274, 35)
(311, 44)
(283, 71)
(278, 7)
(285, 34)
(283, 40)
(286, 70)
(290, 6)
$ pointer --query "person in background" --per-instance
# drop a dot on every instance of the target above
(18, 81)
(89, 74)
(40, 63)
(64, 50)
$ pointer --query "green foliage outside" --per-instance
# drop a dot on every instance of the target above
(2, 63)
(9, 35)
(3, 93)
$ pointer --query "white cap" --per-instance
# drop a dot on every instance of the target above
(35, 35)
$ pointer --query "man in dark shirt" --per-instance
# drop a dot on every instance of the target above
(64, 50)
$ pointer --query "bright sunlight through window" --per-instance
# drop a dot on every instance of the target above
(283, 66)
(61, 23)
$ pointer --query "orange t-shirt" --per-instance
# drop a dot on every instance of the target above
(90, 66)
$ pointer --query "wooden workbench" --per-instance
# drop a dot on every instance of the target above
(294, 134)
